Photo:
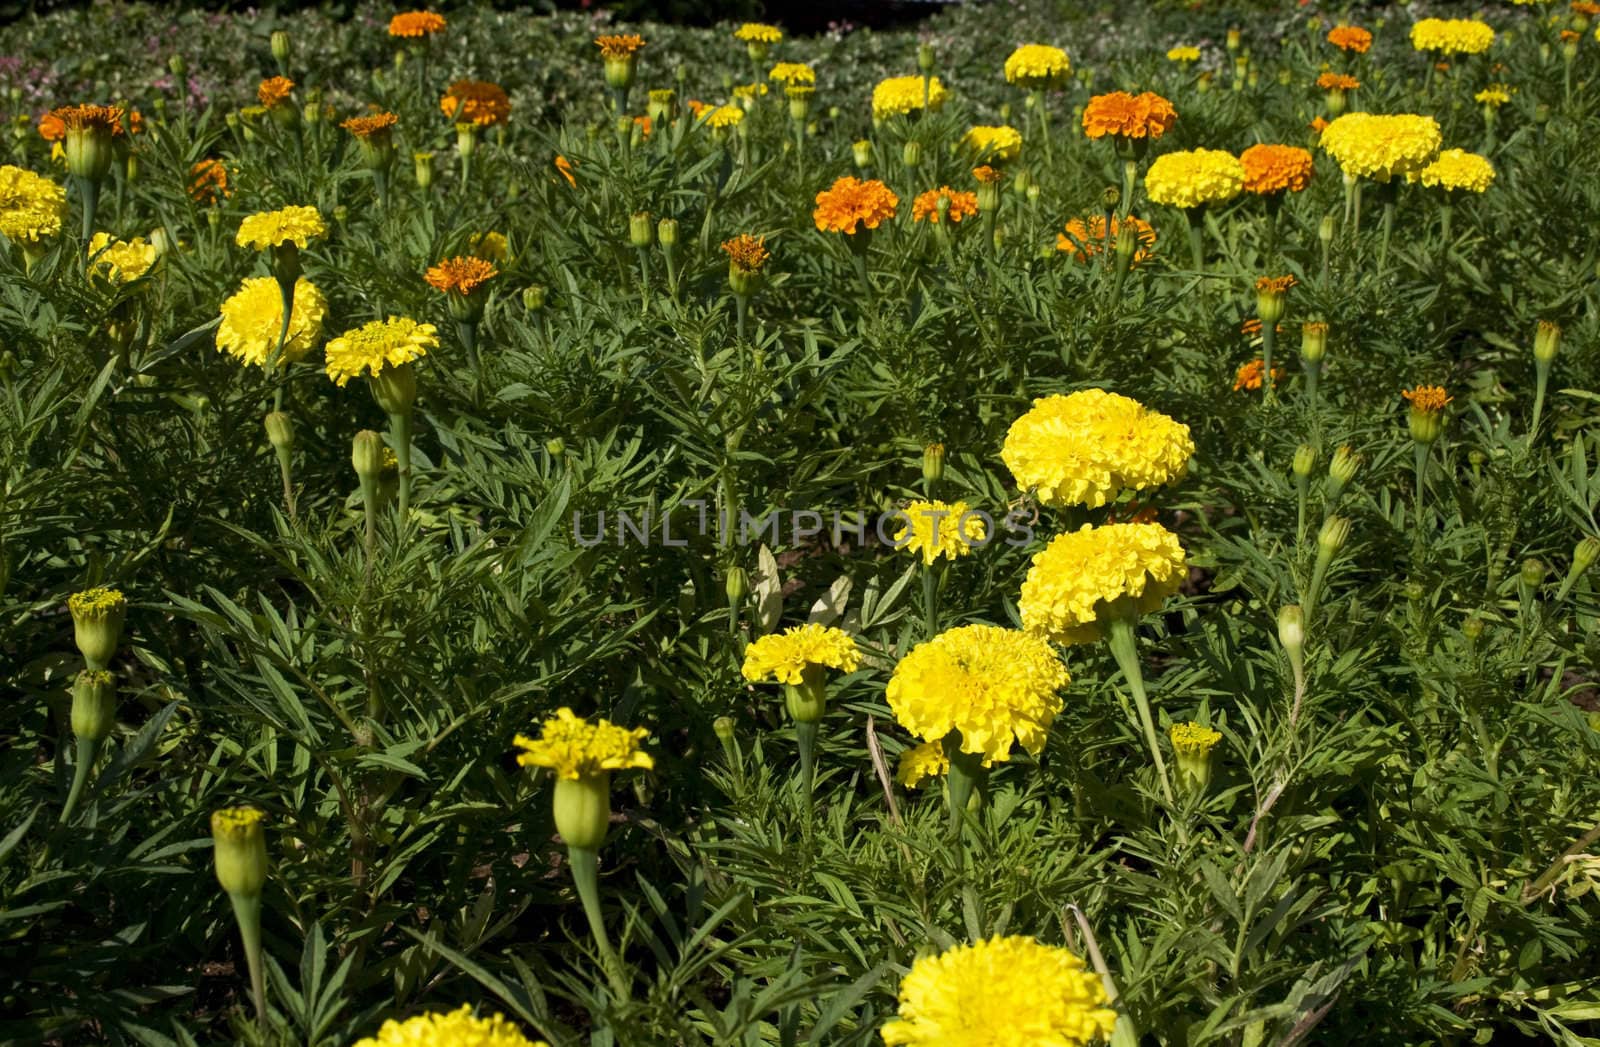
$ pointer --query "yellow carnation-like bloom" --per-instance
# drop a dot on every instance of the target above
(377, 345)
(992, 684)
(32, 207)
(758, 32)
(1451, 36)
(268, 229)
(252, 317)
(1037, 65)
(1003, 992)
(793, 73)
(123, 260)
(618, 46)
(723, 116)
(1494, 96)
(936, 529)
(1458, 169)
(1084, 448)
(1380, 147)
(1075, 580)
(491, 246)
(784, 656)
(1193, 739)
(900, 95)
(1194, 178)
(1184, 54)
(97, 604)
(575, 748)
(921, 762)
(459, 1028)
(993, 144)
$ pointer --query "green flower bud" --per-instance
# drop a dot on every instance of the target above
(1191, 745)
(1292, 629)
(422, 167)
(582, 808)
(1325, 230)
(667, 233)
(240, 845)
(1313, 341)
(1305, 460)
(533, 297)
(639, 230)
(1110, 197)
(933, 463)
(1472, 627)
(395, 388)
(280, 48)
(807, 700)
(911, 154)
(1335, 532)
(736, 585)
(280, 430)
(1532, 573)
(177, 66)
(366, 454)
(97, 616)
(925, 57)
(861, 152)
(1546, 342)
(555, 447)
(94, 705)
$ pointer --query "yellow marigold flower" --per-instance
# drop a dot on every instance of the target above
(1084, 448)
(1250, 375)
(1194, 178)
(459, 1028)
(1086, 237)
(574, 748)
(32, 207)
(995, 144)
(1184, 54)
(1037, 65)
(1458, 169)
(377, 345)
(758, 32)
(900, 95)
(1429, 398)
(416, 24)
(925, 208)
(747, 253)
(1003, 992)
(783, 657)
(614, 46)
(268, 229)
(722, 116)
(1380, 147)
(1451, 36)
(1075, 580)
(1495, 95)
(97, 604)
(1123, 115)
(274, 91)
(253, 315)
(239, 845)
(992, 684)
(208, 181)
(1275, 169)
(1337, 82)
(493, 247)
(936, 529)
(123, 260)
(793, 73)
(1350, 38)
(461, 275)
(851, 203)
(1193, 738)
(376, 124)
(921, 762)
(476, 102)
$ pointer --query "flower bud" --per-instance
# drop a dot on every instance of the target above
(366, 454)
(1343, 468)
(736, 585)
(667, 233)
(1192, 745)
(466, 140)
(724, 728)
(1235, 40)
(1305, 460)
(1110, 197)
(861, 151)
(933, 463)
(1292, 629)
(1325, 230)
(1472, 627)
(1335, 532)
(662, 106)
(280, 49)
(533, 297)
(97, 616)
(807, 700)
(582, 808)
(1313, 341)
(619, 71)
(925, 57)
(911, 154)
(1585, 554)
(89, 152)
(94, 705)
(240, 845)
(177, 66)
(639, 231)
(1532, 573)
(1127, 245)
(395, 389)
(422, 167)
(555, 447)
(1546, 342)
(280, 430)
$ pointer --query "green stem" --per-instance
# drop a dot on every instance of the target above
(805, 735)
(859, 257)
(1197, 243)
(467, 331)
(966, 774)
(1269, 338)
(369, 509)
(90, 191)
(1541, 382)
(247, 911)
(1313, 378)
(88, 749)
(285, 470)
(585, 865)
(1125, 649)
(286, 309)
(930, 600)
(400, 433)
(1130, 179)
(1421, 458)
(741, 308)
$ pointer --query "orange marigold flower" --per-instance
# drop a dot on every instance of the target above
(851, 203)
(644, 124)
(462, 275)
(1585, 8)
(1318, 125)
(747, 253)
(1569, 35)
(925, 208)
(1249, 375)
(274, 91)
(988, 175)
(365, 127)
(1430, 398)
(1350, 38)
(89, 118)
(1275, 169)
(564, 166)
(52, 128)
(1086, 237)
(208, 182)
(619, 46)
(1337, 82)
(1128, 116)
(1251, 329)
(415, 24)
(696, 107)
(476, 102)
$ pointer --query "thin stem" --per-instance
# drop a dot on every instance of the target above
(88, 749)
(1541, 381)
(805, 734)
(400, 433)
(89, 189)
(1125, 649)
(1197, 243)
(1130, 178)
(930, 599)
(966, 774)
(247, 911)
(585, 865)
(1269, 338)
(1421, 457)
(741, 308)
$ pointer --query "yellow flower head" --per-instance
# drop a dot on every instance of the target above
(1194, 178)
(462, 275)
(236, 823)
(1429, 398)
(1084, 448)
(415, 24)
(32, 207)
(925, 208)
(936, 529)
(252, 317)
(783, 657)
(97, 604)
(994, 685)
(459, 1028)
(208, 181)
(1086, 237)
(1037, 65)
(722, 116)
(1494, 96)
(122, 260)
(850, 203)
(1075, 579)
(900, 95)
(1458, 169)
(1380, 147)
(1451, 36)
(493, 247)
(921, 762)
(1123, 115)
(993, 144)
(758, 32)
(476, 102)
(575, 748)
(1183, 54)
(1193, 739)
(268, 229)
(619, 46)
(747, 253)
(1003, 992)
(377, 345)
(793, 73)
